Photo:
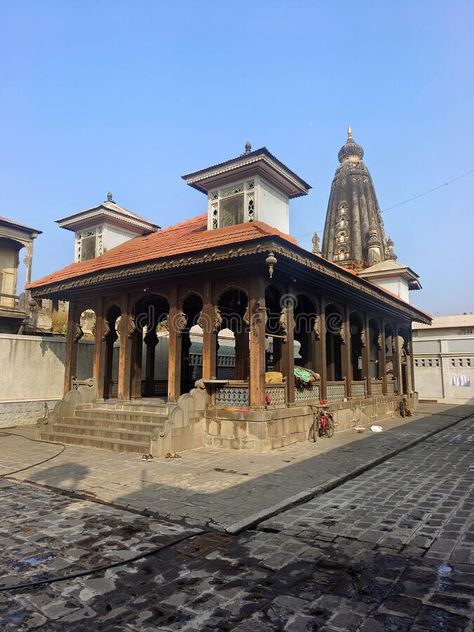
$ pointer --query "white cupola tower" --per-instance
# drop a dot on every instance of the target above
(253, 186)
(102, 227)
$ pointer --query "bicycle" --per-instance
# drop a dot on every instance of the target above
(323, 424)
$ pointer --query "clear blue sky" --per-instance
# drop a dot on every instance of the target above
(130, 95)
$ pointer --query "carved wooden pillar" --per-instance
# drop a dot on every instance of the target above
(381, 356)
(99, 348)
(241, 353)
(396, 359)
(127, 331)
(411, 359)
(320, 345)
(174, 348)
(136, 364)
(366, 354)
(74, 334)
(288, 349)
(257, 316)
(347, 352)
(208, 323)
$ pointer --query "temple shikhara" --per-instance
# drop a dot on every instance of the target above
(221, 330)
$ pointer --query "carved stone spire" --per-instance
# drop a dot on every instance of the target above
(354, 234)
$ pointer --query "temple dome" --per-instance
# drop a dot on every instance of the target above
(354, 234)
(351, 150)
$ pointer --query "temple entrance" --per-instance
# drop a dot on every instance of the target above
(334, 343)
(112, 351)
(357, 332)
(149, 370)
(191, 343)
(233, 337)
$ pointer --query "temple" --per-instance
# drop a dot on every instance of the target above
(354, 234)
(298, 327)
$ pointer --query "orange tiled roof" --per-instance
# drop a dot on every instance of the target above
(184, 238)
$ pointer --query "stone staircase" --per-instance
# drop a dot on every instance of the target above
(120, 426)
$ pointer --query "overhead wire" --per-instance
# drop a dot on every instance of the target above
(410, 199)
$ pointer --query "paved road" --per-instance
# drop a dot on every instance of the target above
(215, 486)
(391, 550)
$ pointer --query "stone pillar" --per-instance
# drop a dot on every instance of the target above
(346, 352)
(288, 349)
(320, 344)
(174, 348)
(99, 349)
(208, 323)
(257, 316)
(366, 354)
(74, 334)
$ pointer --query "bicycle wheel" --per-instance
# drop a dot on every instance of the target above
(313, 431)
(329, 426)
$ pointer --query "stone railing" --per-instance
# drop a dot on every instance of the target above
(336, 391)
(307, 393)
(232, 394)
(376, 387)
(358, 388)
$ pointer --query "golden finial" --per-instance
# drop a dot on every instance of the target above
(349, 132)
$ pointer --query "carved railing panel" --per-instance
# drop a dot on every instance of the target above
(358, 388)
(336, 391)
(376, 387)
(391, 387)
(307, 393)
(232, 395)
(276, 395)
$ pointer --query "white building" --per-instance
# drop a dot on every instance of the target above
(444, 359)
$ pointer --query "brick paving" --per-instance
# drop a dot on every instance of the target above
(215, 486)
(390, 550)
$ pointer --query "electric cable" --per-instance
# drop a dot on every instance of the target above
(415, 197)
(103, 568)
(23, 469)
(97, 569)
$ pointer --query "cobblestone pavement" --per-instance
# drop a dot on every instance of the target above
(390, 550)
(211, 485)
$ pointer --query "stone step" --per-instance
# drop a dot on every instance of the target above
(117, 445)
(114, 424)
(131, 406)
(121, 415)
(98, 431)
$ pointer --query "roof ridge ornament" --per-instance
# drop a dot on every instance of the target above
(349, 133)
(248, 147)
(110, 197)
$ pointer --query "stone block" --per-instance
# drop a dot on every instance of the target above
(258, 429)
